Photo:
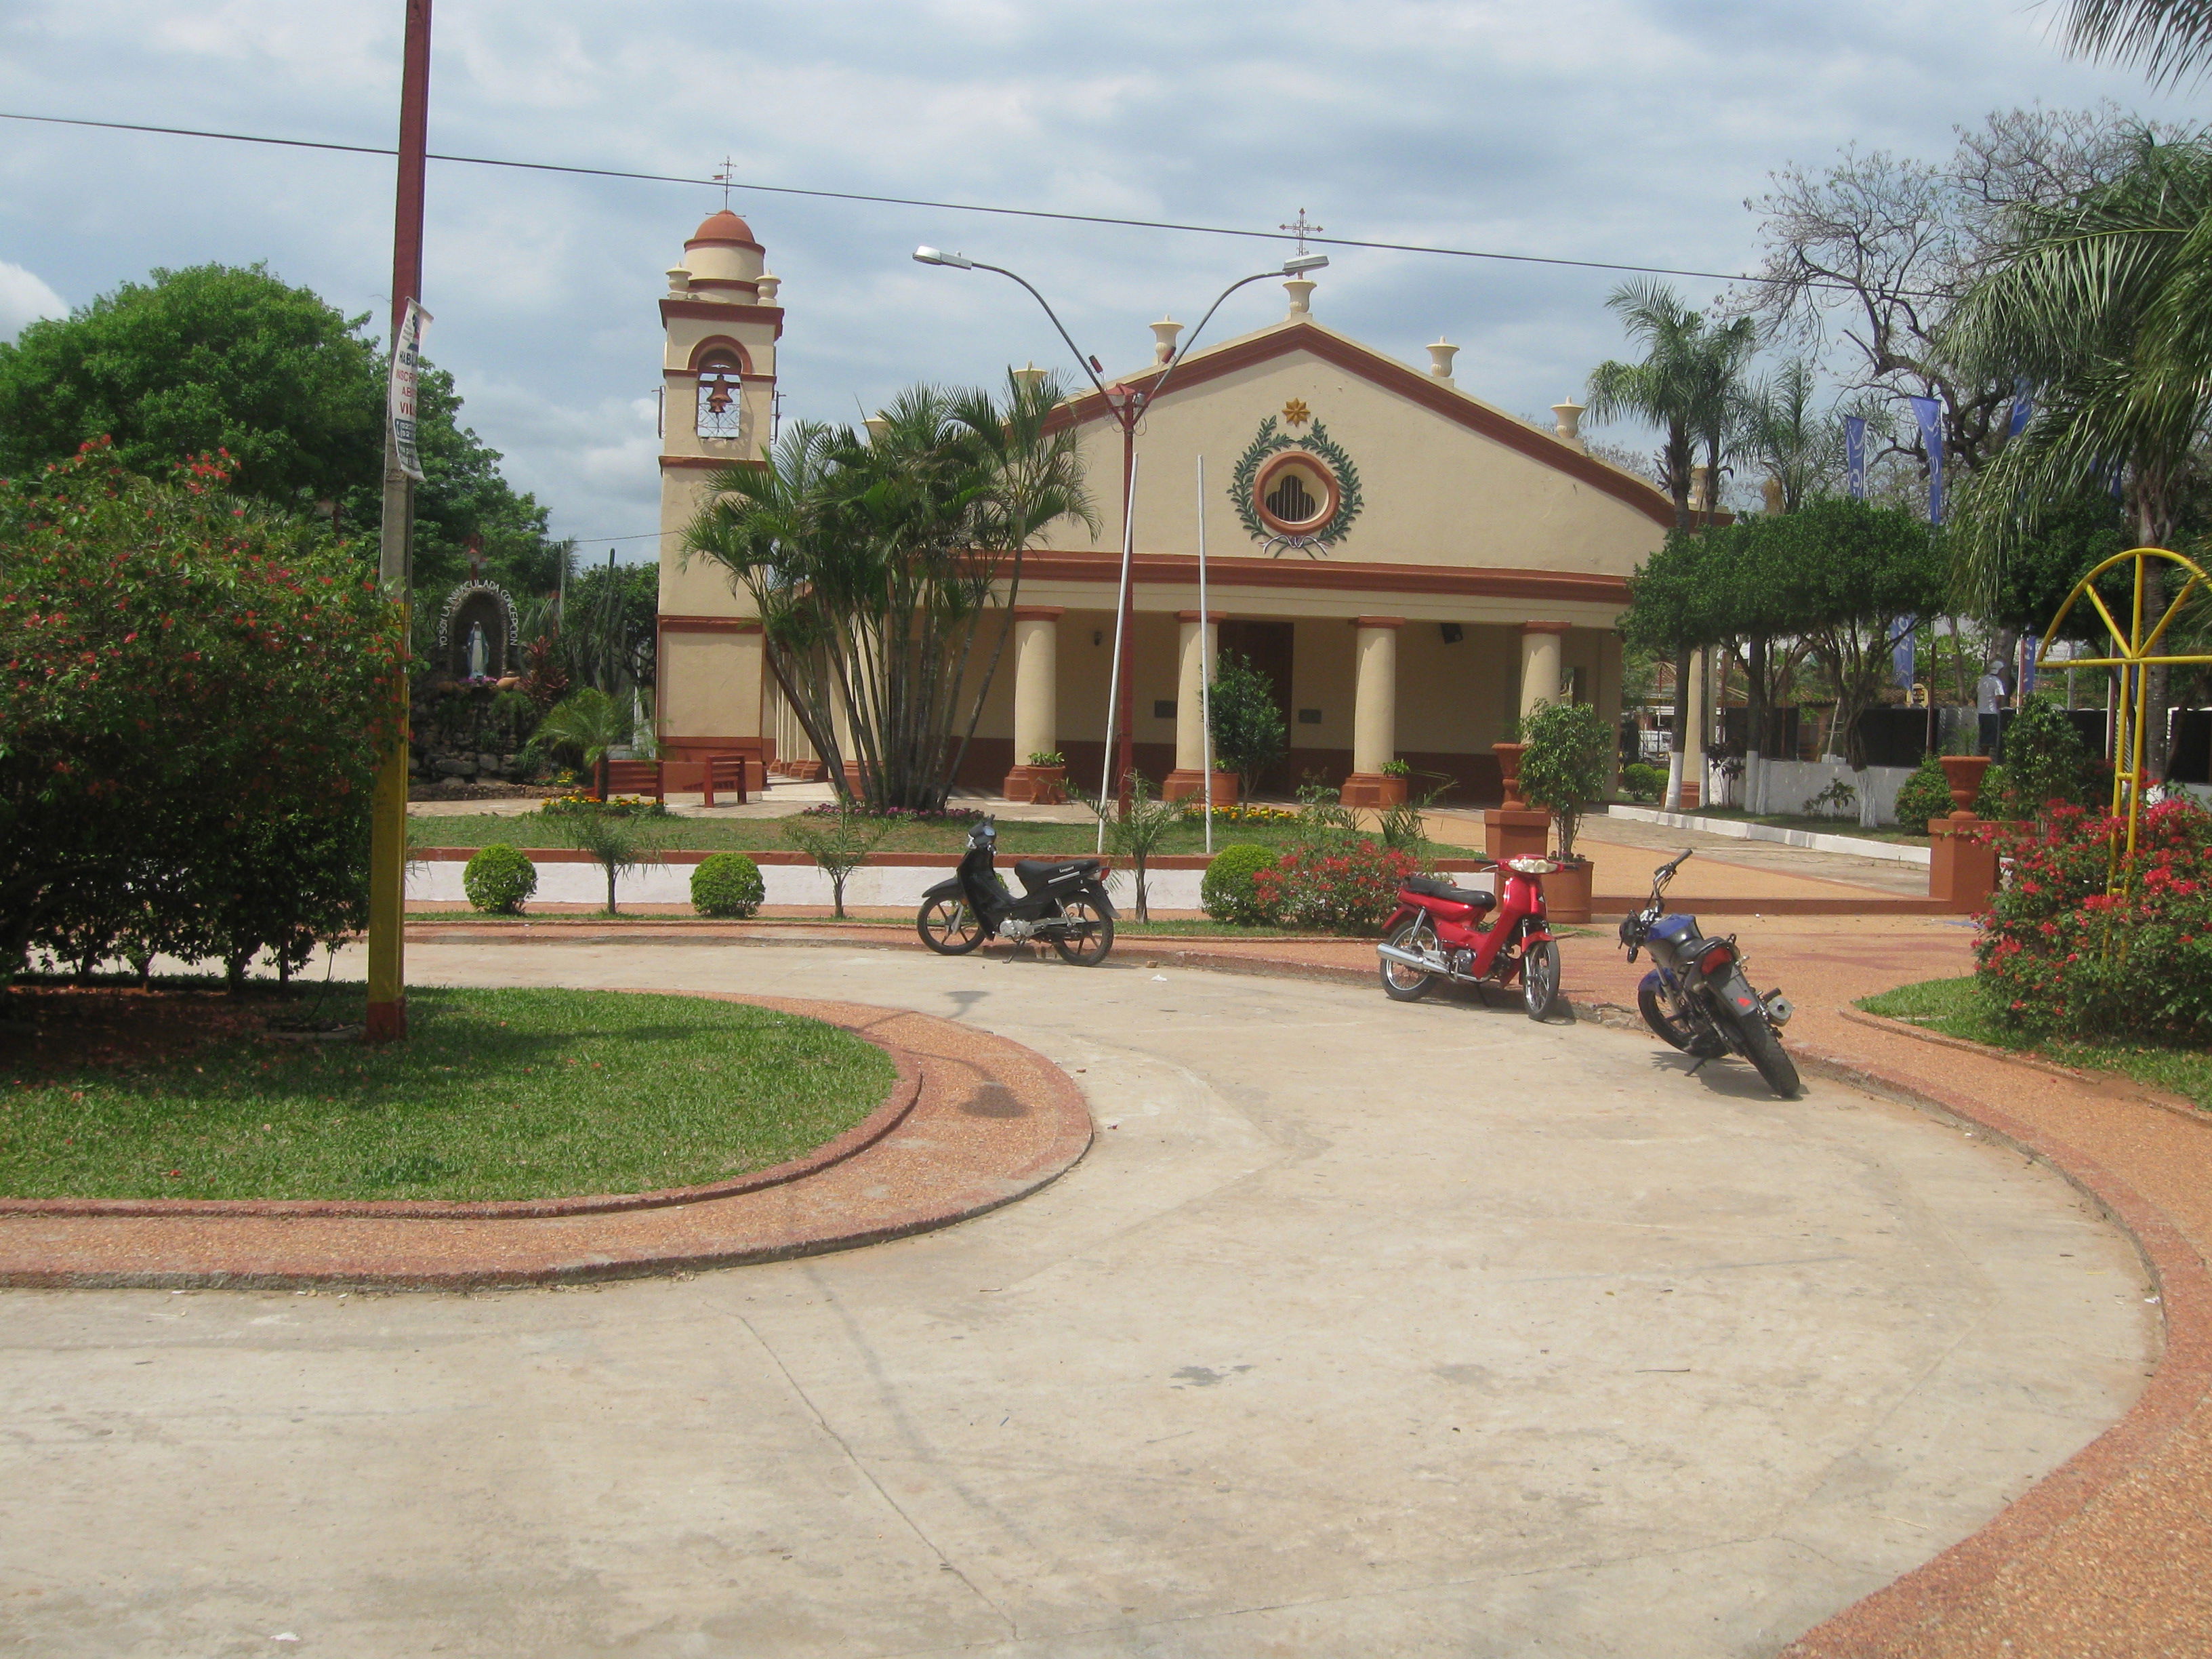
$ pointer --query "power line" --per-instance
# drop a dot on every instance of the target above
(899, 201)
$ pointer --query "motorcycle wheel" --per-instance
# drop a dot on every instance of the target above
(1677, 1033)
(1539, 979)
(1400, 982)
(1763, 1049)
(1093, 939)
(948, 927)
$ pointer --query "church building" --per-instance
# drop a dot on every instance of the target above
(1410, 566)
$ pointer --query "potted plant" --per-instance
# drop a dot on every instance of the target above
(1043, 780)
(1395, 773)
(1564, 750)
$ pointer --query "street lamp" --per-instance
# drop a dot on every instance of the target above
(1128, 405)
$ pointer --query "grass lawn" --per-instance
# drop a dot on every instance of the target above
(1016, 839)
(1889, 832)
(496, 1094)
(1957, 1007)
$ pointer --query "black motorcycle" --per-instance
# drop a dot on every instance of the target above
(1697, 996)
(1064, 901)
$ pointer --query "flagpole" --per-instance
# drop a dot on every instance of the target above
(1120, 615)
(1204, 666)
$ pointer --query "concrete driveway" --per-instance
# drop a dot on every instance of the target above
(1364, 1329)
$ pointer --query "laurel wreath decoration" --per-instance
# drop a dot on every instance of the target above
(1270, 440)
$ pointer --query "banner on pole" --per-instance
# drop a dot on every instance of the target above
(2023, 407)
(1902, 658)
(406, 372)
(1855, 456)
(1930, 414)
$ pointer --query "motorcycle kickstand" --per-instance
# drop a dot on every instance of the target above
(1699, 1067)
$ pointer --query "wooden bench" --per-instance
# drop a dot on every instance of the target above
(630, 777)
(725, 773)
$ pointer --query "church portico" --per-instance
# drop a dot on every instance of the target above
(1412, 570)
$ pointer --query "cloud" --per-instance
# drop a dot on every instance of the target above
(1592, 128)
(24, 299)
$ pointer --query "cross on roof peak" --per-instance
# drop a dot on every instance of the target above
(726, 177)
(1302, 230)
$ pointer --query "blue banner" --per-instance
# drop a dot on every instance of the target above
(1930, 414)
(2023, 407)
(1855, 456)
(1901, 656)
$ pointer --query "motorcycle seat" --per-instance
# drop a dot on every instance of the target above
(1039, 873)
(1429, 887)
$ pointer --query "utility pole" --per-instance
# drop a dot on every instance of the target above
(387, 857)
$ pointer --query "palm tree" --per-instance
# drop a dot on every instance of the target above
(587, 723)
(876, 563)
(1689, 385)
(2105, 307)
(2171, 38)
(1801, 448)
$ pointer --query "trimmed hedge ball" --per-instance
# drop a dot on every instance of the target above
(499, 879)
(1226, 892)
(727, 885)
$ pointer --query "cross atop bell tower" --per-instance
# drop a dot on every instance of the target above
(1299, 228)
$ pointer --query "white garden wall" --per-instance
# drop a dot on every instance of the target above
(1784, 788)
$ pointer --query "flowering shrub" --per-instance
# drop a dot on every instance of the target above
(1345, 889)
(1194, 809)
(577, 801)
(192, 690)
(2058, 955)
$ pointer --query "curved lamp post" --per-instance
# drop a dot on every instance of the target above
(1128, 405)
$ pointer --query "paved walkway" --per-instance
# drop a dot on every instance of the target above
(1365, 1328)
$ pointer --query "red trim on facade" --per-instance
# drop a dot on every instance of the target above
(1378, 621)
(725, 311)
(710, 625)
(667, 461)
(1037, 612)
(1331, 492)
(1210, 616)
(715, 343)
(1546, 627)
(1492, 581)
(1410, 384)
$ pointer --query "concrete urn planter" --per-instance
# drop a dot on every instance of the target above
(1567, 891)
(1964, 773)
(1040, 786)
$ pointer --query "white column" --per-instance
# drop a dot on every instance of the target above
(1540, 664)
(1693, 740)
(1375, 706)
(1199, 648)
(1036, 682)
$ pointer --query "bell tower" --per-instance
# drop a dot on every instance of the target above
(721, 322)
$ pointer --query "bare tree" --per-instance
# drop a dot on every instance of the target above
(1864, 259)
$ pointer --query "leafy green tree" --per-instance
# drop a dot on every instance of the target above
(234, 361)
(615, 840)
(1563, 767)
(1800, 445)
(609, 626)
(1248, 734)
(194, 693)
(883, 570)
(212, 359)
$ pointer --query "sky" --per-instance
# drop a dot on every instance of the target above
(1610, 130)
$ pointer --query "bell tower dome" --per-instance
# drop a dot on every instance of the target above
(720, 323)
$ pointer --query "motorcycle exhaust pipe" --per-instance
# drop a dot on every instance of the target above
(1412, 959)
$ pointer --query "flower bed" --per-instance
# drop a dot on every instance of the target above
(2061, 956)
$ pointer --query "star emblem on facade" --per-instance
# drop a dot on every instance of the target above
(1296, 411)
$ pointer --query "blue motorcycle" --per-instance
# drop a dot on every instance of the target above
(1696, 997)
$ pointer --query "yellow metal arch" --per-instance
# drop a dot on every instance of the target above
(2135, 651)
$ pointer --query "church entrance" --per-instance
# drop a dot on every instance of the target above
(1267, 647)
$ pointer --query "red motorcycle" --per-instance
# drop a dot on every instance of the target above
(1441, 932)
